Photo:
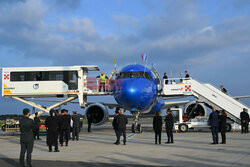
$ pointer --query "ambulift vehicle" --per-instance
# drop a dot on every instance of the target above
(197, 122)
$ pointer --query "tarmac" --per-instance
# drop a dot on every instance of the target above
(97, 149)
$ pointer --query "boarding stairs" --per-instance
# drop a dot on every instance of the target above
(205, 93)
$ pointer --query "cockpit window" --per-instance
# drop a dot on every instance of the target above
(139, 74)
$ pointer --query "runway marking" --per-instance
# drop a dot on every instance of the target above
(131, 135)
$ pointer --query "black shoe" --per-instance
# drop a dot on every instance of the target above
(155, 142)
(167, 142)
(124, 143)
(117, 143)
(172, 142)
(56, 151)
(66, 144)
(50, 150)
(213, 143)
(61, 144)
(223, 143)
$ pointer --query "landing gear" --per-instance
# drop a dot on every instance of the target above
(136, 128)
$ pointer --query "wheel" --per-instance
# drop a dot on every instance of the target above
(139, 128)
(183, 128)
(3, 127)
(228, 127)
(133, 128)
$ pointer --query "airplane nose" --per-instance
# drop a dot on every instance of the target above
(133, 94)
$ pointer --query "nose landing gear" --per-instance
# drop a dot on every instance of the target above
(136, 127)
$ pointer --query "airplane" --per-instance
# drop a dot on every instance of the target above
(136, 89)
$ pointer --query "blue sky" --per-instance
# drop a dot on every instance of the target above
(210, 39)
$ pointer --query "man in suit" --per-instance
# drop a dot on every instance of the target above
(169, 120)
(52, 125)
(244, 116)
(157, 126)
(64, 127)
(37, 125)
(115, 124)
(76, 126)
(214, 123)
(26, 137)
(122, 121)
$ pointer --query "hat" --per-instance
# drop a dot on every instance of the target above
(26, 110)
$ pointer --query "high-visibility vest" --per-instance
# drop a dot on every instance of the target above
(103, 78)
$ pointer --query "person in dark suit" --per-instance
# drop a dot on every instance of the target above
(223, 89)
(169, 122)
(37, 125)
(187, 75)
(64, 129)
(122, 121)
(52, 124)
(90, 120)
(115, 125)
(223, 128)
(214, 123)
(166, 78)
(157, 126)
(76, 126)
(244, 116)
(26, 137)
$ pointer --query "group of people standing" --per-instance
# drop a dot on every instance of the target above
(61, 124)
(169, 124)
(57, 124)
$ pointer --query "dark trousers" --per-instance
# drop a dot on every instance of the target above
(117, 135)
(169, 132)
(89, 126)
(214, 130)
(52, 140)
(64, 133)
(223, 136)
(244, 127)
(158, 135)
(36, 133)
(75, 133)
(102, 86)
(26, 147)
(123, 133)
(247, 126)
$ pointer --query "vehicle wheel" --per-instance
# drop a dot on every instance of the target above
(3, 128)
(183, 128)
(133, 128)
(228, 127)
(139, 128)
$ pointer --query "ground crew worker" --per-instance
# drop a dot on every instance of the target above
(223, 127)
(90, 120)
(26, 137)
(244, 116)
(166, 78)
(122, 120)
(76, 126)
(169, 123)
(214, 123)
(65, 123)
(52, 124)
(37, 125)
(223, 89)
(115, 124)
(103, 78)
(157, 126)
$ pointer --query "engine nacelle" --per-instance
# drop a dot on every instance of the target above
(194, 109)
(98, 113)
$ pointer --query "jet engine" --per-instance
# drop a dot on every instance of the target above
(98, 113)
(194, 109)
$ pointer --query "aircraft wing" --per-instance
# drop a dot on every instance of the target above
(241, 97)
(175, 103)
